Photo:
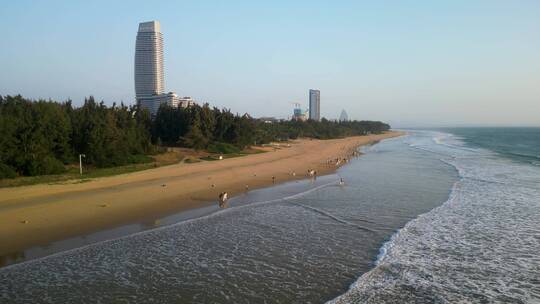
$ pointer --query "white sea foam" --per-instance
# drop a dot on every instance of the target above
(480, 246)
(209, 259)
(303, 248)
(219, 212)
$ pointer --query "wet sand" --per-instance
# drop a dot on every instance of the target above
(37, 215)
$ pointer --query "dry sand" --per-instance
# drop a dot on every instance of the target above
(39, 214)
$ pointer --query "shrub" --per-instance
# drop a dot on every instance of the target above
(7, 172)
(223, 148)
(139, 159)
(49, 165)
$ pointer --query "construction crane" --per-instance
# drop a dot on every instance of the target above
(297, 112)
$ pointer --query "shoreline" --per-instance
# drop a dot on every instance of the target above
(57, 212)
(263, 195)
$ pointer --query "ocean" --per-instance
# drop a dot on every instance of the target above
(483, 244)
(444, 216)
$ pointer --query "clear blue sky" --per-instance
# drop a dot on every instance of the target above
(405, 62)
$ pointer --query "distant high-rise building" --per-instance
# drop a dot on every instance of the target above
(343, 116)
(149, 73)
(298, 113)
(315, 105)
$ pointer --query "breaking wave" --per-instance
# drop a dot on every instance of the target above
(480, 246)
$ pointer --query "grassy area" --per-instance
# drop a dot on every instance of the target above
(191, 160)
(231, 155)
(72, 175)
(215, 156)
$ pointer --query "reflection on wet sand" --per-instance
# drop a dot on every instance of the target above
(11, 258)
(148, 224)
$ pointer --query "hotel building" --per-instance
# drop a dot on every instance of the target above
(149, 72)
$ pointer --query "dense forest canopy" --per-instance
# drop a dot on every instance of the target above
(41, 137)
(199, 126)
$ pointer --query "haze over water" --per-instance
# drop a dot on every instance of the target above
(412, 63)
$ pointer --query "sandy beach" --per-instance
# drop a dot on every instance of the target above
(36, 215)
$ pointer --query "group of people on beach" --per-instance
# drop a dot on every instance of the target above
(342, 160)
(337, 161)
(312, 173)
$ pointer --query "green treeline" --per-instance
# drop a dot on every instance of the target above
(42, 137)
(199, 126)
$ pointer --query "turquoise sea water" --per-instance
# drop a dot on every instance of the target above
(519, 144)
(442, 216)
(480, 246)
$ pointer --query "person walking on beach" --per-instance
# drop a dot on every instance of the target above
(312, 173)
(223, 197)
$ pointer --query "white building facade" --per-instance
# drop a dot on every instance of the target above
(149, 71)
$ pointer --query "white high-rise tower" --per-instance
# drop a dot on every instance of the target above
(149, 74)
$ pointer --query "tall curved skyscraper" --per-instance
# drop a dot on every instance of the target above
(149, 74)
